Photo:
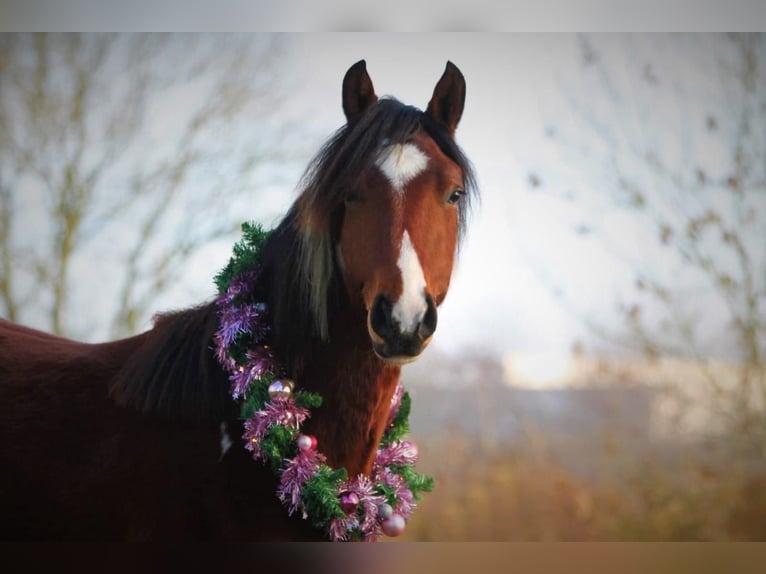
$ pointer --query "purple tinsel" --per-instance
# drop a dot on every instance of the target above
(238, 316)
(396, 402)
(405, 500)
(338, 529)
(240, 380)
(402, 452)
(363, 487)
(260, 362)
(279, 411)
(239, 286)
(235, 321)
(297, 471)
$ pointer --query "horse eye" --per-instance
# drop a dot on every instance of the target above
(351, 197)
(455, 196)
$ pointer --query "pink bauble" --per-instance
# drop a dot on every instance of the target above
(304, 442)
(349, 502)
(281, 388)
(393, 525)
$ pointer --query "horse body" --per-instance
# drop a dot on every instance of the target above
(77, 465)
(74, 465)
(138, 439)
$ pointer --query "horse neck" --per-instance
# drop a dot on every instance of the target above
(356, 387)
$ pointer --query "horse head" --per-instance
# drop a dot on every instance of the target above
(389, 194)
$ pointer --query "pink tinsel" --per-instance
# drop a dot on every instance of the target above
(238, 316)
(396, 401)
(252, 437)
(405, 500)
(240, 380)
(279, 411)
(402, 452)
(238, 320)
(239, 285)
(339, 527)
(260, 362)
(366, 518)
(296, 472)
(222, 354)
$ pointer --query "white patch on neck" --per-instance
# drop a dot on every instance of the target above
(225, 440)
(400, 163)
(411, 306)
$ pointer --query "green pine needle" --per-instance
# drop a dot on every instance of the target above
(416, 481)
(279, 444)
(356, 535)
(245, 255)
(320, 495)
(400, 425)
(238, 349)
(388, 493)
(257, 396)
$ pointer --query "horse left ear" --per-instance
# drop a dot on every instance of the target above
(358, 92)
(446, 105)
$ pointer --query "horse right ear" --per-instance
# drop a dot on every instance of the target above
(358, 92)
(446, 105)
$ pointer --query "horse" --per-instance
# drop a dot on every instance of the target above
(139, 439)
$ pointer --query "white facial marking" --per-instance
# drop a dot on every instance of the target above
(400, 163)
(411, 306)
(225, 440)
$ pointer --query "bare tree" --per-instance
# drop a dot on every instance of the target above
(125, 154)
(680, 130)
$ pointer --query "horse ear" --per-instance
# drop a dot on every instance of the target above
(446, 105)
(358, 92)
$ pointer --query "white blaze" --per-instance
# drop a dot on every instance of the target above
(400, 163)
(411, 306)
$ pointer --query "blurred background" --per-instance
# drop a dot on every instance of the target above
(598, 371)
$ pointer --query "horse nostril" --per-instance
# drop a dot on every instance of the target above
(381, 320)
(428, 324)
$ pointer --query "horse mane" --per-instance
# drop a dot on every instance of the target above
(175, 373)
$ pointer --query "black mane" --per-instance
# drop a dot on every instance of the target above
(174, 373)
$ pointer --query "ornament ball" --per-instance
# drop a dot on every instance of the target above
(306, 442)
(281, 388)
(349, 502)
(393, 525)
(385, 511)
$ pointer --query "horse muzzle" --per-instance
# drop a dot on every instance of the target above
(395, 342)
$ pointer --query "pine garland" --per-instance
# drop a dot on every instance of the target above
(347, 509)
(245, 257)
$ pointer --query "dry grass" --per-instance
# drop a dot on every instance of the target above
(495, 493)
